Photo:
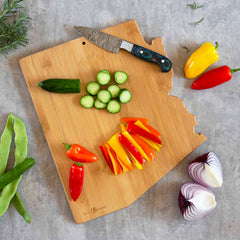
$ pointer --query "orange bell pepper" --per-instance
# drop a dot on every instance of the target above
(153, 131)
(151, 143)
(145, 147)
(134, 119)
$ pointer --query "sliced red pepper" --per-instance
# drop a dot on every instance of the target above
(107, 157)
(134, 119)
(145, 147)
(76, 178)
(130, 147)
(80, 154)
(153, 131)
(116, 165)
(133, 128)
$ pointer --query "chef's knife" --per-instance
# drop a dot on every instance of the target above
(114, 44)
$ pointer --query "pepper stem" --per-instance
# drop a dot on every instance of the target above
(37, 85)
(216, 45)
(78, 164)
(67, 146)
(235, 70)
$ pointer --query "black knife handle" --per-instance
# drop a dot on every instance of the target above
(153, 57)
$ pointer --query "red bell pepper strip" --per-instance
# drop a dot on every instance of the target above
(76, 180)
(116, 165)
(80, 154)
(145, 147)
(134, 119)
(153, 131)
(107, 157)
(213, 78)
(133, 128)
(130, 147)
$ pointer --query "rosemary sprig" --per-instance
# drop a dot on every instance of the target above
(196, 23)
(194, 6)
(13, 26)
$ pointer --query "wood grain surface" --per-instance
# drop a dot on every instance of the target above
(64, 120)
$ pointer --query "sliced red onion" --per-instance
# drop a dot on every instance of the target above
(207, 170)
(195, 201)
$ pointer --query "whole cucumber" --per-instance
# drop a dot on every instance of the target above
(12, 174)
(61, 85)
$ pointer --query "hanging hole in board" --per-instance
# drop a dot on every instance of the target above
(83, 43)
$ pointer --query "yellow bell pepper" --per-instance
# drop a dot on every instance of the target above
(149, 142)
(200, 60)
(122, 156)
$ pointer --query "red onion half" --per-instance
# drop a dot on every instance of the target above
(207, 170)
(195, 201)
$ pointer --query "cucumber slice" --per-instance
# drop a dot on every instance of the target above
(104, 77)
(87, 101)
(114, 90)
(93, 88)
(125, 96)
(104, 96)
(120, 77)
(113, 106)
(99, 105)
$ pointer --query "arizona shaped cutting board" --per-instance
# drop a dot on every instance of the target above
(63, 119)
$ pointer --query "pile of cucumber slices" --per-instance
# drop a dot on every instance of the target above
(111, 96)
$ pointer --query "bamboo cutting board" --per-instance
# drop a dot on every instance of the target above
(64, 120)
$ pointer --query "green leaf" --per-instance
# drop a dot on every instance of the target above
(194, 6)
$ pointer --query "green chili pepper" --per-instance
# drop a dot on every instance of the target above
(21, 142)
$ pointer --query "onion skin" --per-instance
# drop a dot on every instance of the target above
(206, 170)
(195, 201)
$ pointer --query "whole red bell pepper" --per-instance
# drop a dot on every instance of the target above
(76, 178)
(80, 154)
(133, 128)
(213, 78)
(130, 147)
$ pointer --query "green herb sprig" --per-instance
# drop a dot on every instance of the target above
(194, 6)
(196, 23)
(186, 48)
(13, 26)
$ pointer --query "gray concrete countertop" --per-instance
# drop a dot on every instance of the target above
(155, 215)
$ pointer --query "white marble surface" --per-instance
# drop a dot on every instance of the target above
(155, 215)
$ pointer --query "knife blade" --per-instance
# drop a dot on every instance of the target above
(114, 44)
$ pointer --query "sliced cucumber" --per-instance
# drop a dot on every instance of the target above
(99, 105)
(87, 101)
(114, 90)
(104, 96)
(120, 77)
(125, 96)
(113, 106)
(93, 88)
(104, 77)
